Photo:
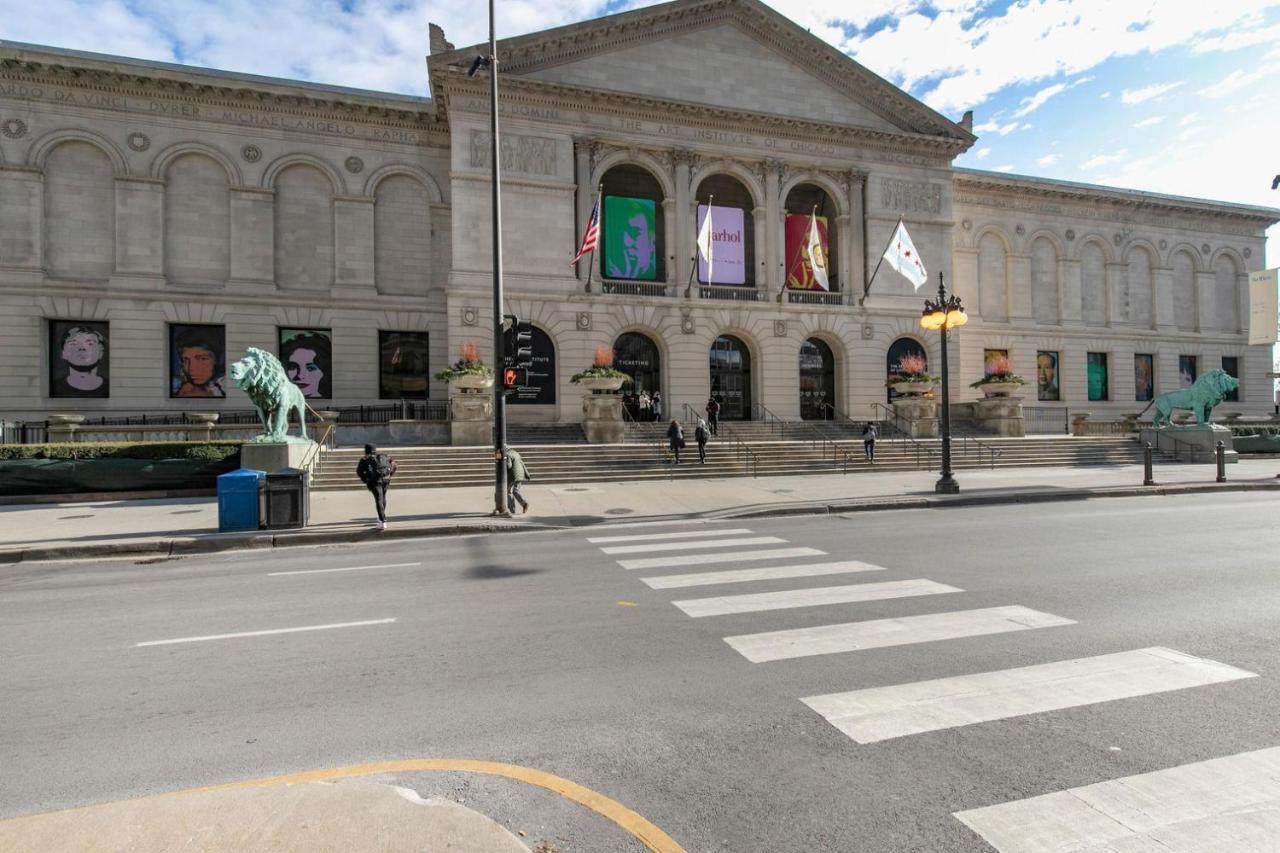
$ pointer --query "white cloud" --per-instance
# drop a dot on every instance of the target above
(1104, 159)
(1237, 80)
(1146, 93)
(1048, 159)
(1104, 96)
(1189, 118)
(1149, 122)
(1033, 103)
(1008, 167)
(982, 153)
(996, 127)
(1237, 38)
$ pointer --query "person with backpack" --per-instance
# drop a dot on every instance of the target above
(657, 405)
(700, 435)
(375, 470)
(869, 441)
(517, 473)
(713, 414)
(675, 435)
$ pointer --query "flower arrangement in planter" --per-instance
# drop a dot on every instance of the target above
(468, 372)
(999, 382)
(913, 378)
(601, 375)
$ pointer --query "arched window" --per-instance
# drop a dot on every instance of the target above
(197, 221)
(1044, 282)
(817, 381)
(993, 283)
(80, 211)
(541, 390)
(1226, 295)
(1141, 288)
(731, 377)
(1093, 284)
(636, 355)
(733, 233)
(633, 242)
(1184, 291)
(804, 201)
(401, 236)
(303, 228)
(898, 350)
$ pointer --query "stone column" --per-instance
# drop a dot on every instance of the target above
(761, 220)
(774, 268)
(353, 245)
(140, 226)
(844, 245)
(686, 213)
(583, 197)
(855, 182)
(252, 235)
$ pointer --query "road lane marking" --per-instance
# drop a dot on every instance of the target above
(265, 633)
(1227, 803)
(812, 597)
(761, 574)
(882, 713)
(693, 546)
(684, 534)
(731, 557)
(879, 633)
(344, 569)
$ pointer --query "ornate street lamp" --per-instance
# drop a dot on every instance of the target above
(943, 314)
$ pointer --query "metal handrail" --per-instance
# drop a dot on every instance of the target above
(775, 424)
(313, 454)
(807, 430)
(651, 436)
(993, 452)
(740, 447)
(894, 421)
(1177, 456)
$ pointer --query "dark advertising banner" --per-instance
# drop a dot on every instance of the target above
(541, 390)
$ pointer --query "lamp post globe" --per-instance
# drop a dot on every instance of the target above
(944, 314)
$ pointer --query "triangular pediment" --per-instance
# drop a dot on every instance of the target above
(738, 55)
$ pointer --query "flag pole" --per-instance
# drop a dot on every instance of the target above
(693, 266)
(591, 265)
(866, 289)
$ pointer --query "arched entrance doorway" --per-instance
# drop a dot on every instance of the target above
(903, 348)
(636, 355)
(731, 378)
(817, 381)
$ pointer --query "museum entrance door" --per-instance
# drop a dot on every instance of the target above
(817, 381)
(731, 378)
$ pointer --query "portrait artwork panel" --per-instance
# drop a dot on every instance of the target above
(1047, 376)
(1096, 374)
(1144, 377)
(197, 361)
(307, 356)
(79, 358)
(630, 238)
(403, 365)
(1188, 370)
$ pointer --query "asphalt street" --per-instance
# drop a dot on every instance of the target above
(551, 651)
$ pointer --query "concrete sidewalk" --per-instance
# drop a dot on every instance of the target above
(189, 525)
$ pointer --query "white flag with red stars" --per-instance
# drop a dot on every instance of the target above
(903, 257)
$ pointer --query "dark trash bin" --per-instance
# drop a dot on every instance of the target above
(238, 502)
(288, 498)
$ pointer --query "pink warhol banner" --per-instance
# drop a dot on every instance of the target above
(728, 241)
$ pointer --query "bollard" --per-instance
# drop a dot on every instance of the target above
(1147, 479)
(1221, 451)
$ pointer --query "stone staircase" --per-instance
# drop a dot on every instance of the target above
(642, 458)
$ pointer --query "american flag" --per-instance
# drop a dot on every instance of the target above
(591, 238)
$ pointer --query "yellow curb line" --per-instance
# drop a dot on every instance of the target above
(642, 830)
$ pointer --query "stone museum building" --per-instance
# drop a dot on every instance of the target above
(156, 220)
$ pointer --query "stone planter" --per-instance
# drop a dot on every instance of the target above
(1000, 389)
(912, 389)
(472, 382)
(602, 384)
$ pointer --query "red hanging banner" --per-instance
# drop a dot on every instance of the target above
(799, 266)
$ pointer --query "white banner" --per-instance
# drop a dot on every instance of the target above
(1263, 309)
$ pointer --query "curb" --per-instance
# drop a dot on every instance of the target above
(215, 543)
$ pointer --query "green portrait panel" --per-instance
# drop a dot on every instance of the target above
(630, 238)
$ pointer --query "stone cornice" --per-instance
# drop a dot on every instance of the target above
(524, 54)
(30, 73)
(1062, 190)
(453, 83)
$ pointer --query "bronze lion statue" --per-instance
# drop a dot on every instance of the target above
(1208, 391)
(261, 375)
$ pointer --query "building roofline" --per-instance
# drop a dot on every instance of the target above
(45, 54)
(1116, 194)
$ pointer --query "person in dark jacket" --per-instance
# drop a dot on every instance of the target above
(700, 435)
(675, 435)
(375, 471)
(869, 442)
(517, 473)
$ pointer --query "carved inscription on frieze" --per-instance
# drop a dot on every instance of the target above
(530, 155)
(910, 196)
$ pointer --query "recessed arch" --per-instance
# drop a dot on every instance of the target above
(1197, 259)
(640, 159)
(1045, 252)
(422, 176)
(639, 355)
(1098, 240)
(278, 165)
(79, 209)
(727, 167)
(633, 222)
(799, 203)
(197, 218)
(733, 189)
(41, 148)
(1186, 310)
(834, 190)
(161, 162)
(901, 347)
(818, 387)
(732, 364)
(541, 390)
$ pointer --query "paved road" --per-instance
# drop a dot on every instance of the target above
(1082, 642)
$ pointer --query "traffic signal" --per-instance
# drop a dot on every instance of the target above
(517, 354)
(513, 378)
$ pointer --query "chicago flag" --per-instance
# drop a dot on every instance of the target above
(903, 257)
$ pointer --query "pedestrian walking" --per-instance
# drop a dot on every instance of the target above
(675, 435)
(657, 405)
(713, 415)
(700, 435)
(646, 406)
(375, 470)
(869, 441)
(517, 474)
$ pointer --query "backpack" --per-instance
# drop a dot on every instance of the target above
(378, 469)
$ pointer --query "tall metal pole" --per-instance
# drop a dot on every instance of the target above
(946, 484)
(499, 397)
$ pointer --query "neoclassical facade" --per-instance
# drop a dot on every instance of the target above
(156, 219)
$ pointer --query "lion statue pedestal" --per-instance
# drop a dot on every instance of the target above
(1195, 443)
(260, 375)
(1198, 442)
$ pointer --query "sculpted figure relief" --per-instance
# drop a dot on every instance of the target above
(1208, 391)
(260, 375)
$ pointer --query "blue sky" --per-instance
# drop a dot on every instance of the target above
(1170, 96)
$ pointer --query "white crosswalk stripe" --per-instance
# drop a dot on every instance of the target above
(881, 713)
(701, 544)
(727, 557)
(879, 633)
(684, 534)
(812, 597)
(760, 574)
(1223, 805)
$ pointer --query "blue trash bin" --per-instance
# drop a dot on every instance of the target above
(238, 501)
